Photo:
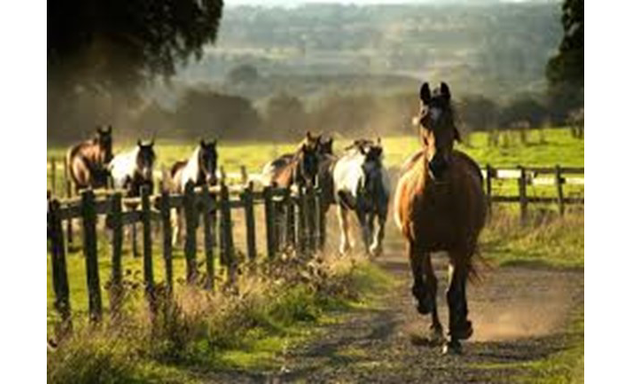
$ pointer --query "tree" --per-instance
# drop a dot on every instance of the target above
(477, 112)
(104, 44)
(244, 73)
(285, 116)
(565, 70)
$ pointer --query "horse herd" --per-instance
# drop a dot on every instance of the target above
(439, 202)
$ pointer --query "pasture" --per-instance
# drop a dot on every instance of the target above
(545, 240)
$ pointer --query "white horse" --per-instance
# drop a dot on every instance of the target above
(199, 169)
(130, 171)
(361, 184)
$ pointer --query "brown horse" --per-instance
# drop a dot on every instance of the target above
(440, 206)
(299, 168)
(88, 161)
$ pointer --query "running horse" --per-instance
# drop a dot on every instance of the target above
(440, 206)
(360, 183)
(88, 161)
(199, 169)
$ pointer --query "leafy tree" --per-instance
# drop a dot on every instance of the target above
(523, 109)
(285, 116)
(478, 112)
(565, 70)
(244, 73)
(103, 44)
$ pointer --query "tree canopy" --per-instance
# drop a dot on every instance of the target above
(105, 44)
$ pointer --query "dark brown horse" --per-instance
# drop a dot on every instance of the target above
(440, 206)
(300, 168)
(88, 161)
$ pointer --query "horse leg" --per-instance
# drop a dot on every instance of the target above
(425, 303)
(342, 214)
(365, 229)
(436, 330)
(177, 226)
(377, 243)
(460, 328)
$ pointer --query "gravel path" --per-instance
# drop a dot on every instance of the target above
(518, 315)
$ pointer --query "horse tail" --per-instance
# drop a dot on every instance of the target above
(477, 264)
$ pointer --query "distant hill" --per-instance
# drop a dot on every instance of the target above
(483, 46)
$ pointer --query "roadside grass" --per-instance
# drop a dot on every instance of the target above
(280, 305)
(546, 239)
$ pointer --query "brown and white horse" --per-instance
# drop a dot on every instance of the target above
(88, 161)
(440, 206)
(199, 169)
(299, 168)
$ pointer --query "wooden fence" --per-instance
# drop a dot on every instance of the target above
(290, 220)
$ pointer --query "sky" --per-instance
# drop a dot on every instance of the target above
(292, 3)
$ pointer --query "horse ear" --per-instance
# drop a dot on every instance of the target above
(362, 150)
(425, 93)
(445, 91)
(139, 143)
(109, 129)
(202, 143)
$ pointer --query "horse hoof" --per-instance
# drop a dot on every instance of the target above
(462, 333)
(425, 306)
(436, 336)
(453, 347)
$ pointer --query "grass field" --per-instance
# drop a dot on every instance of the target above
(547, 240)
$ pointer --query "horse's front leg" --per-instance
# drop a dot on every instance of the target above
(425, 302)
(460, 328)
(436, 330)
(342, 214)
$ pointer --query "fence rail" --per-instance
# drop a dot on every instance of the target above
(210, 208)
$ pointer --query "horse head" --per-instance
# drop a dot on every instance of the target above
(326, 147)
(103, 140)
(437, 128)
(371, 181)
(307, 164)
(208, 159)
(145, 160)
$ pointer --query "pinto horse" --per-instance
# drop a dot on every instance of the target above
(361, 183)
(440, 206)
(199, 169)
(299, 168)
(88, 161)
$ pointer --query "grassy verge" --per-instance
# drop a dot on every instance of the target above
(545, 240)
(279, 305)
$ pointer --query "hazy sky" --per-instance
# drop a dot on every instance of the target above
(299, 2)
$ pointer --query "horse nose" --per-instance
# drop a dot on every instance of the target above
(438, 165)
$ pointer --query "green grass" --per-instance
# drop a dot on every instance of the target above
(545, 240)
(217, 332)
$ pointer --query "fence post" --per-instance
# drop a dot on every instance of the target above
(68, 186)
(290, 218)
(208, 237)
(311, 220)
(269, 222)
(59, 271)
(149, 284)
(53, 174)
(244, 178)
(489, 175)
(167, 239)
(301, 235)
(559, 182)
(91, 256)
(190, 246)
(522, 194)
(227, 248)
(115, 223)
(250, 221)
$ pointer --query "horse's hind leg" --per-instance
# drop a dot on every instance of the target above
(460, 328)
(342, 214)
(425, 302)
(377, 243)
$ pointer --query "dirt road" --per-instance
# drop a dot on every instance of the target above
(518, 315)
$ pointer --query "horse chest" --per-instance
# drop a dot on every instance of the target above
(436, 217)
